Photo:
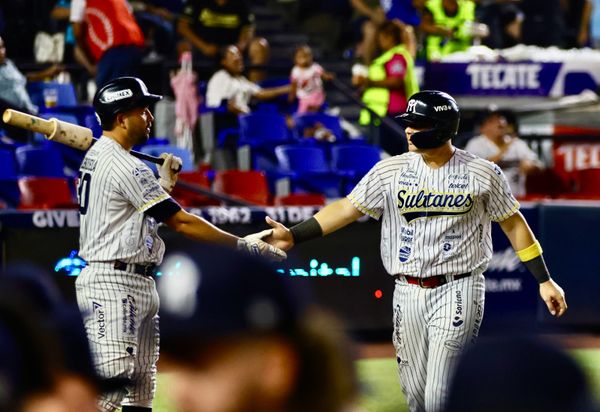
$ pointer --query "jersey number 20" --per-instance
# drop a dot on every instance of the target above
(83, 192)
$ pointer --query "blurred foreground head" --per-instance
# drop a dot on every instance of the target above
(239, 336)
(45, 360)
(518, 375)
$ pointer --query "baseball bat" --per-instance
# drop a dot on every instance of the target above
(69, 134)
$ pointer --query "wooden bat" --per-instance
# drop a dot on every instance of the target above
(69, 134)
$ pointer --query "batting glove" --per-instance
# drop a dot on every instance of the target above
(254, 245)
(168, 171)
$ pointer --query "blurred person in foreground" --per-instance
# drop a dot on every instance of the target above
(499, 144)
(239, 336)
(45, 363)
(519, 374)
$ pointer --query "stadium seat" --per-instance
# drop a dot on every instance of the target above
(186, 156)
(300, 199)
(39, 161)
(308, 169)
(46, 193)
(8, 165)
(354, 160)
(250, 185)
(263, 129)
(65, 93)
(307, 120)
(589, 183)
(188, 198)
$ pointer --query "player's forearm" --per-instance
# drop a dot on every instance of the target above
(196, 228)
(336, 215)
(184, 29)
(518, 232)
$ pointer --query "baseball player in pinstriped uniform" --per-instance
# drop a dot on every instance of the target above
(121, 204)
(436, 203)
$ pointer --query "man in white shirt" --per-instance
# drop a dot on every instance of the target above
(231, 85)
(497, 144)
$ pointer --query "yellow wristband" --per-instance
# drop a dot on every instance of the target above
(530, 252)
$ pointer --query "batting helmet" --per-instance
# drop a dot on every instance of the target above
(119, 95)
(435, 111)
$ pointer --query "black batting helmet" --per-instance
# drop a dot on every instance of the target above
(119, 95)
(435, 111)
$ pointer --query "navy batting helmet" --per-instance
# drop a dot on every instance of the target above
(119, 95)
(434, 111)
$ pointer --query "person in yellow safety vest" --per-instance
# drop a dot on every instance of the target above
(391, 78)
(448, 25)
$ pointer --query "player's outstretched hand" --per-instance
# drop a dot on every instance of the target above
(281, 237)
(554, 297)
(254, 245)
(167, 172)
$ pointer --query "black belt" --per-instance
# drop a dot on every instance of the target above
(431, 281)
(144, 270)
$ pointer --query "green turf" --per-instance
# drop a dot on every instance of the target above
(381, 390)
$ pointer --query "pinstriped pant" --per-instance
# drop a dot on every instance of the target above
(120, 312)
(431, 327)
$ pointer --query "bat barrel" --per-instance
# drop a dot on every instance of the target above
(27, 121)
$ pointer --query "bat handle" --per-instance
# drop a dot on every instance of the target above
(150, 158)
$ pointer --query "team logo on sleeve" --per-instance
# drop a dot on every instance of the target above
(425, 203)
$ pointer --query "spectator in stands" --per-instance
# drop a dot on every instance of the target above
(519, 374)
(389, 83)
(499, 144)
(450, 27)
(577, 22)
(504, 19)
(323, 23)
(544, 23)
(13, 91)
(211, 24)
(257, 346)
(157, 21)
(402, 12)
(109, 40)
(307, 81)
(228, 87)
(595, 25)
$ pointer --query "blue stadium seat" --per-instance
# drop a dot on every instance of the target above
(39, 161)
(186, 156)
(8, 165)
(263, 129)
(9, 188)
(308, 170)
(354, 160)
(66, 95)
(328, 121)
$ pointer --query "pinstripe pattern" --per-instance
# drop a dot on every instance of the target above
(121, 321)
(120, 309)
(434, 222)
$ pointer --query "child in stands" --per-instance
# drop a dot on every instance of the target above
(307, 81)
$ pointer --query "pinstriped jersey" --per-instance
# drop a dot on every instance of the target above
(114, 191)
(435, 221)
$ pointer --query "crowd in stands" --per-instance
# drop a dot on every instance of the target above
(233, 63)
